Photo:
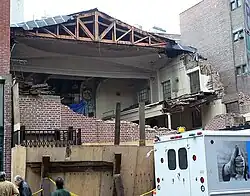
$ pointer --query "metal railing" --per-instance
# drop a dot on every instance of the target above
(46, 138)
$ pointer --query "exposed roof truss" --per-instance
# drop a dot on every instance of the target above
(95, 26)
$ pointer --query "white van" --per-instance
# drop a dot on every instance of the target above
(203, 163)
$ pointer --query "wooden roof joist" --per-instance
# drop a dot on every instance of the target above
(92, 26)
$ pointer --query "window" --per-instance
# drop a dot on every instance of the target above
(242, 69)
(182, 155)
(171, 159)
(235, 4)
(194, 82)
(232, 107)
(143, 95)
(237, 35)
(166, 86)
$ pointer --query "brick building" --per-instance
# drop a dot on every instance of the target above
(5, 88)
(216, 29)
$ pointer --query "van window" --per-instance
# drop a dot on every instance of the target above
(171, 159)
(182, 155)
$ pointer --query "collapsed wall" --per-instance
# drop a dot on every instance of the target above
(47, 113)
(222, 121)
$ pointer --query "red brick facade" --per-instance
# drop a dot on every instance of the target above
(5, 75)
(5, 37)
(43, 113)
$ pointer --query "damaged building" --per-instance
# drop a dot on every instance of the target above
(90, 61)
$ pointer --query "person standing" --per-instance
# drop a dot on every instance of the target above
(7, 188)
(23, 186)
(60, 191)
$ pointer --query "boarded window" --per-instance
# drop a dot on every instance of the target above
(194, 82)
(171, 159)
(182, 155)
(166, 87)
(233, 107)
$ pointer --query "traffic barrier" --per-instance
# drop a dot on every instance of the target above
(51, 180)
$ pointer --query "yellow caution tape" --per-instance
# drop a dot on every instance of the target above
(37, 192)
(72, 194)
(148, 192)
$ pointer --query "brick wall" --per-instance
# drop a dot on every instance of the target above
(4, 75)
(46, 112)
(4, 37)
(199, 28)
(223, 120)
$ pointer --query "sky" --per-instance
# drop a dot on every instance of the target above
(147, 13)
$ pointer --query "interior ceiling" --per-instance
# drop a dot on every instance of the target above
(37, 49)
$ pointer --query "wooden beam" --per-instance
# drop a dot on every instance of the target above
(114, 33)
(141, 39)
(68, 31)
(124, 35)
(117, 123)
(96, 26)
(77, 29)
(49, 32)
(142, 123)
(85, 29)
(45, 173)
(85, 15)
(104, 33)
(133, 35)
(57, 30)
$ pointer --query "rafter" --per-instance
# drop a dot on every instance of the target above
(124, 35)
(104, 33)
(141, 39)
(85, 29)
(68, 31)
(49, 32)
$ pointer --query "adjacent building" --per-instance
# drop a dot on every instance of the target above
(5, 88)
(219, 30)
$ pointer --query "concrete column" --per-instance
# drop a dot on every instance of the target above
(154, 89)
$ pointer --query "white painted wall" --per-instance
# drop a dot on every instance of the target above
(16, 11)
(106, 97)
(176, 70)
(172, 71)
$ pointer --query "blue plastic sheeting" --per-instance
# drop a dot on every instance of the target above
(81, 108)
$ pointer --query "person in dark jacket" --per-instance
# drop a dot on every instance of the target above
(60, 191)
(23, 187)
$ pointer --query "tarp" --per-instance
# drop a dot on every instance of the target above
(80, 108)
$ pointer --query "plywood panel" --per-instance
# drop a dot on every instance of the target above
(34, 179)
(78, 153)
(84, 183)
(106, 183)
(128, 165)
(87, 153)
(18, 162)
(144, 174)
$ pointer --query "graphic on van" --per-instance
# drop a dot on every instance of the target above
(233, 161)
